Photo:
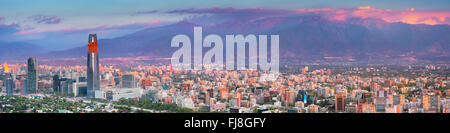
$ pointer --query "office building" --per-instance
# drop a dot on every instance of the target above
(93, 74)
(8, 82)
(56, 84)
(128, 81)
(32, 76)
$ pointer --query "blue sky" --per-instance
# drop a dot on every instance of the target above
(61, 24)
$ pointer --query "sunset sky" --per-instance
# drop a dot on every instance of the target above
(62, 24)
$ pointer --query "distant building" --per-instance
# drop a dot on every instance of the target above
(446, 108)
(310, 99)
(56, 84)
(218, 106)
(312, 109)
(82, 79)
(301, 96)
(20, 84)
(431, 103)
(109, 95)
(146, 82)
(32, 76)
(128, 81)
(380, 104)
(397, 100)
(351, 108)
(67, 86)
(116, 94)
(187, 103)
(79, 89)
(8, 82)
(367, 108)
(340, 100)
(41, 85)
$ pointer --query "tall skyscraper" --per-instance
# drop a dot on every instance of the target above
(93, 75)
(32, 76)
(340, 101)
(56, 84)
(8, 82)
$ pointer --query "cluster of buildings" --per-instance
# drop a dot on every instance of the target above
(303, 90)
(27, 83)
(79, 81)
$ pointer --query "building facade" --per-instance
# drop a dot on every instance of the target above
(340, 101)
(128, 81)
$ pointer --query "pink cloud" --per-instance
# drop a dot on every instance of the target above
(313, 10)
(45, 19)
(410, 16)
(155, 22)
(27, 32)
(102, 28)
(106, 31)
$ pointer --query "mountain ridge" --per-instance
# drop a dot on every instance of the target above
(308, 38)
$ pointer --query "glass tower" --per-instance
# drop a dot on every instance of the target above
(9, 83)
(93, 75)
(32, 76)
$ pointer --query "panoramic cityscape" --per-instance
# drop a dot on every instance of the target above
(355, 57)
(311, 88)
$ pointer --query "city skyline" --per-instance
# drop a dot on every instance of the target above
(225, 65)
(299, 89)
(325, 56)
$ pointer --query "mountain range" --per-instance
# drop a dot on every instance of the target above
(19, 50)
(303, 38)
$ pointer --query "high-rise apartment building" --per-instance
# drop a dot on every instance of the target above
(340, 101)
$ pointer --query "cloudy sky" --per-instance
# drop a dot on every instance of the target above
(61, 24)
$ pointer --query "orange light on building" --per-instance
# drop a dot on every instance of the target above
(6, 68)
(414, 99)
(238, 99)
(223, 93)
(93, 46)
(146, 82)
(251, 80)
